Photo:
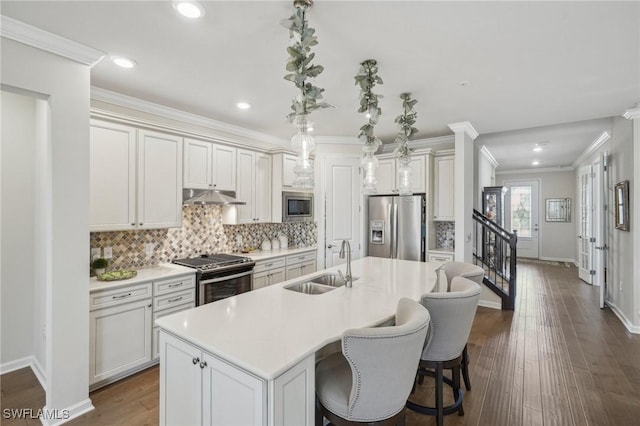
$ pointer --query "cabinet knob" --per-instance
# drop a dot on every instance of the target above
(140, 224)
(329, 246)
(195, 361)
(133, 224)
(203, 364)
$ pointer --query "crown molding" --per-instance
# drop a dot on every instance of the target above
(466, 127)
(595, 145)
(125, 101)
(487, 154)
(535, 170)
(632, 113)
(341, 140)
(421, 144)
(27, 34)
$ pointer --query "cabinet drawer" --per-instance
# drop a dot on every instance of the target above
(440, 257)
(172, 310)
(302, 257)
(174, 299)
(117, 296)
(173, 284)
(265, 265)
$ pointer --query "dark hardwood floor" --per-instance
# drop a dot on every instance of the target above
(556, 360)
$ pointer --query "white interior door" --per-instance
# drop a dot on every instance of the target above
(598, 224)
(342, 202)
(586, 238)
(521, 211)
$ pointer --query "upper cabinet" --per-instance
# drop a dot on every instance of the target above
(209, 166)
(135, 178)
(254, 186)
(443, 188)
(283, 178)
(387, 174)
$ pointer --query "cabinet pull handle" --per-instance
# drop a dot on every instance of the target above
(122, 296)
(149, 305)
(268, 264)
(177, 299)
(203, 364)
(140, 224)
(195, 361)
(133, 224)
(300, 257)
(175, 285)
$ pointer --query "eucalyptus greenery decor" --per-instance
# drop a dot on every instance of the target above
(367, 78)
(299, 66)
(405, 121)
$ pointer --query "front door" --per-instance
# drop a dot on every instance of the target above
(342, 205)
(521, 210)
(586, 239)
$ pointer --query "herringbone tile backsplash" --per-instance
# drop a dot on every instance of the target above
(202, 232)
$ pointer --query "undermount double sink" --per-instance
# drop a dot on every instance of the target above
(318, 285)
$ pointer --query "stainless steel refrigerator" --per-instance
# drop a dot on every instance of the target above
(397, 226)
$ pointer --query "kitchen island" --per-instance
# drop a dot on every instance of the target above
(250, 359)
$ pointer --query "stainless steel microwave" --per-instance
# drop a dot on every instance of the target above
(297, 207)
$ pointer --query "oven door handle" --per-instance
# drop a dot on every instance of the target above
(225, 278)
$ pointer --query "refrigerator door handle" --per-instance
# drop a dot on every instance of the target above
(394, 248)
(390, 219)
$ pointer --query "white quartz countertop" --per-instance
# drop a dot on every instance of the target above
(270, 254)
(158, 272)
(267, 331)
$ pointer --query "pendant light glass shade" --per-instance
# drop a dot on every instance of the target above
(304, 145)
(369, 164)
(404, 177)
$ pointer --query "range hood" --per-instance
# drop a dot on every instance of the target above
(210, 197)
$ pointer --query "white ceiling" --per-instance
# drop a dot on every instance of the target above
(527, 64)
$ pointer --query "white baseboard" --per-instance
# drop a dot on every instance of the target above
(65, 414)
(17, 364)
(625, 321)
(28, 361)
(559, 259)
(489, 304)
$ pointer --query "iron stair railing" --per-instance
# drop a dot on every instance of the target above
(495, 252)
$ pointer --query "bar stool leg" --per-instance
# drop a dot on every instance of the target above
(465, 368)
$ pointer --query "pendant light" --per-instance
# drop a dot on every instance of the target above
(301, 71)
(367, 78)
(405, 122)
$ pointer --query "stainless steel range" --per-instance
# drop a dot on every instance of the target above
(220, 276)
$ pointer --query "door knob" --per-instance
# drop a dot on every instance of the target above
(329, 246)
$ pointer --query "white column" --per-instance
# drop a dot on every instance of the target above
(634, 115)
(465, 134)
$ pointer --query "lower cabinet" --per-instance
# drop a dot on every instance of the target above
(300, 269)
(120, 334)
(268, 272)
(197, 388)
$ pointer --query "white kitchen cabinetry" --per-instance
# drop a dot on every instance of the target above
(301, 264)
(387, 174)
(443, 206)
(268, 272)
(120, 331)
(170, 296)
(197, 388)
(135, 178)
(283, 177)
(209, 166)
(438, 256)
(254, 187)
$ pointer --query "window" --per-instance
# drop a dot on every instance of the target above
(521, 210)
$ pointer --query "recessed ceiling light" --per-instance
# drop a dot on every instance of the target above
(243, 105)
(123, 61)
(537, 148)
(464, 83)
(535, 162)
(189, 9)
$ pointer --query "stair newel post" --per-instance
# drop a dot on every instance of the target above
(513, 241)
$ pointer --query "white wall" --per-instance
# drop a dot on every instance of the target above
(621, 251)
(65, 233)
(557, 240)
(18, 218)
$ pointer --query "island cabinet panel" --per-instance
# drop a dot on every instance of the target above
(293, 401)
(231, 396)
(197, 388)
(120, 339)
(180, 382)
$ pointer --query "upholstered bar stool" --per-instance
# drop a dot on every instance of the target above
(452, 315)
(474, 273)
(370, 380)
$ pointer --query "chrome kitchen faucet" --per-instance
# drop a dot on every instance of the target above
(348, 279)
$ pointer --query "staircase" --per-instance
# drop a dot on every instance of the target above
(495, 252)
